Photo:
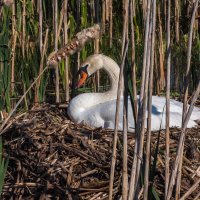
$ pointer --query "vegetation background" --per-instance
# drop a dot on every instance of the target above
(23, 28)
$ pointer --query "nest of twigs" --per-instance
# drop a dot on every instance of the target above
(51, 158)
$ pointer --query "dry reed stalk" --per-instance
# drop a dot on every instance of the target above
(125, 148)
(97, 75)
(55, 14)
(107, 10)
(25, 99)
(132, 15)
(66, 58)
(125, 24)
(40, 26)
(103, 21)
(139, 140)
(144, 9)
(62, 12)
(23, 26)
(119, 92)
(13, 62)
(147, 164)
(181, 144)
(96, 43)
(192, 188)
(186, 86)
(165, 13)
(14, 34)
(143, 116)
(111, 23)
(177, 13)
(36, 101)
(144, 88)
(167, 137)
(161, 53)
(125, 170)
(133, 171)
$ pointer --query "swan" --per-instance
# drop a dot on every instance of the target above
(98, 109)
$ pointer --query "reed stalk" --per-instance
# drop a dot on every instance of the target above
(23, 27)
(177, 13)
(144, 108)
(125, 169)
(55, 3)
(62, 12)
(96, 43)
(165, 14)
(140, 130)
(186, 86)
(119, 92)
(148, 155)
(132, 15)
(14, 34)
(66, 58)
(125, 132)
(111, 23)
(133, 188)
(144, 8)
(167, 137)
(161, 53)
(103, 21)
(125, 24)
(40, 26)
(107, 10)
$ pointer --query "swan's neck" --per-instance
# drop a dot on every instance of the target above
(112, 68)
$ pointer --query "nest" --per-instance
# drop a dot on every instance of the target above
(52, 158)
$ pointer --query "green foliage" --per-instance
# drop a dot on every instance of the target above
(5, 69)
(27, 66)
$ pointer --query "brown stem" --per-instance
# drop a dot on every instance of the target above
(119, 92)
(167, 138)
(23, 27)
(147, 164)
(66, 58)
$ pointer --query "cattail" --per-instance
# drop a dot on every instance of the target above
(7, 2)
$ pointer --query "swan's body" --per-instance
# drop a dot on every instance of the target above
(98, 109)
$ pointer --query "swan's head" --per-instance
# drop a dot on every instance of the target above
(90, 66)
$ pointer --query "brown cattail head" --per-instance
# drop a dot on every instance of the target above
(7, 2)
(75, 45)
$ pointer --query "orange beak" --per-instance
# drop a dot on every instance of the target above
(84, 76)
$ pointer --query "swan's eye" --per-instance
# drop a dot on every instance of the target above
(84, 68)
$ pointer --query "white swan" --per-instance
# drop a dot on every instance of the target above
(98, 109)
